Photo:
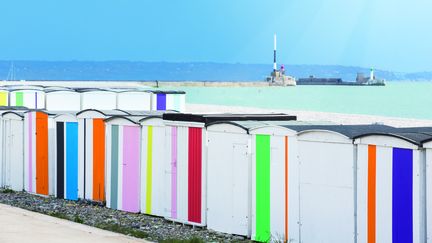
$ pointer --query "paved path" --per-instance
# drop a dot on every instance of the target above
(19, 225)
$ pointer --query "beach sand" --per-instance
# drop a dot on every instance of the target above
(337, 118)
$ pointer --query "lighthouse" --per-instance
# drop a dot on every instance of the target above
(274, 54)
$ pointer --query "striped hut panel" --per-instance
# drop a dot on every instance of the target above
(158, 159)
(195, 175)
(60, 160)
(30, 152)
(146, 169)
(180, 185)
(98, 176)
(71, 160)
(88, 159)
(81, 157)
(108, 164)
(275, 189)
(42, 184)
(152, 170)
(4, 100)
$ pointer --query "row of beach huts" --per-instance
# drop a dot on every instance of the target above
(264, 176)
(75, 99)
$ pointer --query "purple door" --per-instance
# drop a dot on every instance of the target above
(131, 170)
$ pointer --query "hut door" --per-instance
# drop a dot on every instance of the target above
(71, 160)
(131, 153)
(240, 171)
(98, 160)
(41, 153)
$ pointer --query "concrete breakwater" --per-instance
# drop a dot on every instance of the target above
(135, 84)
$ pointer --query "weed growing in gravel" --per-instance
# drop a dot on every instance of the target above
(7, 190)
(79, 220)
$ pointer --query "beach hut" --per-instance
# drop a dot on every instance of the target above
(186, 163)
(134, 100)
(91, 151)
(4, 97)
(392, 187)
(168, 100)
(38, 168)
(327, 158)
(123, 137)
(100, 99)
(248, 165)
(63, 100)
(66, 156)
(11, 150)
(28, 97)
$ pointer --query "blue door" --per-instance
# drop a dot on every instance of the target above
(71, 160)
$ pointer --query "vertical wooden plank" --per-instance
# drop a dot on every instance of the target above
(161, 102)
(402, 223)
(371, 195)
(72, 160)
(60, 159)
(114, 165)
(19, 99)
(195, 174)
(98, 160)
(174, 172)
(149, 170)
(262, 188)
(3, 99)
(41, 153)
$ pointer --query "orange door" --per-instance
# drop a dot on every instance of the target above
(98, 160)
(41, 153)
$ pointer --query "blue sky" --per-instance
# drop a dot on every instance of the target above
(387, 34)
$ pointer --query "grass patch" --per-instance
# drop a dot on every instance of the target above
(123, 230)
(58, 215)
(7, 190)
(192, 240)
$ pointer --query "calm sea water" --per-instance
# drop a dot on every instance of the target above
(396, 99)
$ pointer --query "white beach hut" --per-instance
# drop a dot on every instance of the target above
(186, 164)
(253, 165)
(392, 186)
(91, 150)
(27, 97)
(123, 137)
(133, 100)
(63, 100)
(327, 158)
(12, 150)
(100, 99)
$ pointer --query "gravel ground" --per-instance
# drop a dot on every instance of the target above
(138, 225)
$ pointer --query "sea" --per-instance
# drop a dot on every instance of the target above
(396, 99)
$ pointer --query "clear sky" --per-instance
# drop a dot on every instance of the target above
(386, 34)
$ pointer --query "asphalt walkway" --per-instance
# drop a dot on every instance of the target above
(19, 225)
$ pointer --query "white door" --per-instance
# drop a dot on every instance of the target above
(326, 192)
(240, 189)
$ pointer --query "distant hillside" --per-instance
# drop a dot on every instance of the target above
(124, 70)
